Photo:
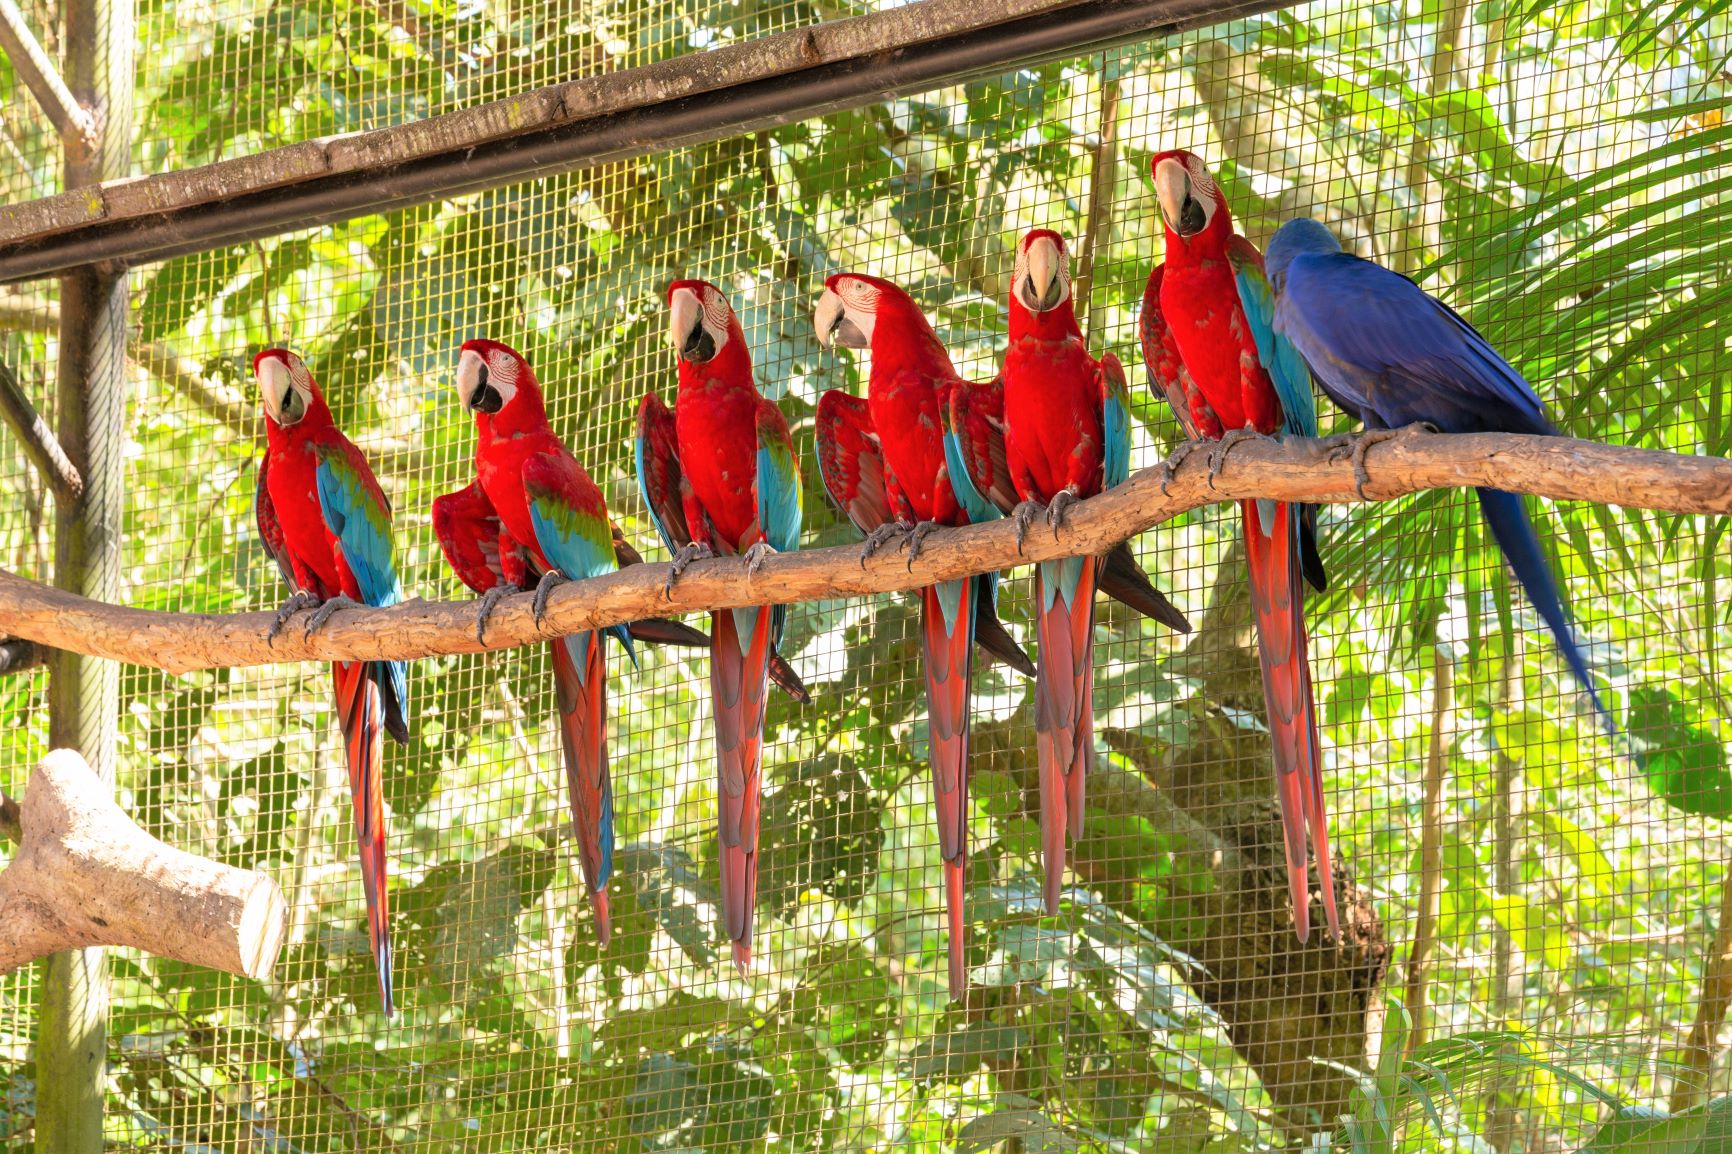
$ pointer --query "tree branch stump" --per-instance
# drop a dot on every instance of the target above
(85, 875)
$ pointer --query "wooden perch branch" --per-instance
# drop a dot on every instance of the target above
(1555, 467)
(85, 875)
(40, 444)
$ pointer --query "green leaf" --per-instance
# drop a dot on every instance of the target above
(1637, 1130)
(1532, 935)
(959, 1053)
(1593, 868)
(1032, 1128)
(1683, 761)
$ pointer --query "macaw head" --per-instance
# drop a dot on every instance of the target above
(1191, 202)
(1301, 237)
(1041, 280)
(857, 311)
(287, 389)
(701, 323)
(494, 381)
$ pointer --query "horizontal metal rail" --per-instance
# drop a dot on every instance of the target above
(706, 96)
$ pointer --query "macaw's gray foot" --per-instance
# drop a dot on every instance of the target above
(299, 600)
(485, 606)
(881, 537)
(755, 557)
(550, 580)
(1362, 444)
(916, 540)
(1022, 517)
(1230, 440)
(1170, 466)
(317, 622)
(1060, 508)
(683, 558)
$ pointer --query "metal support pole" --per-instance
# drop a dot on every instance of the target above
(84, 693)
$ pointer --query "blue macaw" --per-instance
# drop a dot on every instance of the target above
(1391, 355)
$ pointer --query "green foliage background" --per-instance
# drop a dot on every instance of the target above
(1561, 178)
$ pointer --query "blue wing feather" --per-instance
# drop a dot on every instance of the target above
(973, 502)
(1115, 423)
(1286, 368)
(778, 481)
(355, 513)
(578, 542)
(1392, 355)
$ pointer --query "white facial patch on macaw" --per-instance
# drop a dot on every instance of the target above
(1041, 278)
(717, 314)
(286, 387)
(858, 319)
(503, 369)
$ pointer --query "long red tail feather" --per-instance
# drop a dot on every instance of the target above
(1277, 600)
(739, 685)
(581, 694)
(1063, 714)
(948, 645)
(361, 716)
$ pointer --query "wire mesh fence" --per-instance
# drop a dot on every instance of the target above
(1557, 174)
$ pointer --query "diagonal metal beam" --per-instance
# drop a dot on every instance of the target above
(40, 444)
(692, 99)
(74, 123)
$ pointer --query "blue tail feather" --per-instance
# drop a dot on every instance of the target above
(1507, 518)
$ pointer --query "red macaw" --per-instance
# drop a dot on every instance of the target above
(883, 460)
(534, 513)
(327, 524)
(1067, 437)
(1210, 345)
(719, 475)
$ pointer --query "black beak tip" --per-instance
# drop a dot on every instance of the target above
(1191, 218)
(698, 347)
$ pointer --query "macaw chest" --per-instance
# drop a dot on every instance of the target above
(292, 481)
(499, 467)
(718, 439)
(1201, 306)
(1052, 418)
(911, 437)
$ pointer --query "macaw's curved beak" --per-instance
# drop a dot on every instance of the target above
(283, 404)
(686, 332)
(835, 326)
(1042, 289)
(1181, 211)
(473, 386)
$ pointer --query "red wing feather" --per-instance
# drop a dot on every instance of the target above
(976, 415)
(270, 527)
(851, 461)
(1167, 368)
(659, 470)
(468, 531)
